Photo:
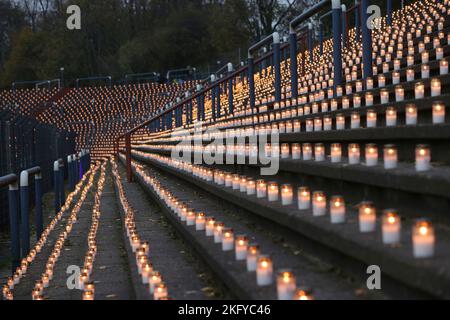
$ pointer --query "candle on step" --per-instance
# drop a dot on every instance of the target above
(273, 192)
(435, 87)
(399, 94)
(443, 67)
(391, 117)
(296, 151)
(369, 84)
(337, 210)
(236, 182)
(359, 86)
(340, 122)
(390, 157)
(304, 198)
(154, 281)
(161, 292)
(227, 240)
(391, 227)
(371, 155)
(319, 204)
(88, 295)
(241, 247)
(423, 239)
(355, 121)
(371, 119)
(319, 152)
(396, 77)
(438, 113)
(303, 295)
(146, 273)
(419, 90)
(200, 221)
(261, 189)
(336, 153)
(264, 272)
(243, 185)
(425, 71)
(327, 123)
(410, 75)
(354, 154)
(210, 222)
(439, 53)
(381, 81)
(367, 217)
(218, 228)
(423, 158)
(345, 103)
(384, 96)
(410, 60)
(425, 57)
(285, 151)
(307, 152)
(287, 195)
(411, 115)
(286, 285)
(251, 187)
(252, 257)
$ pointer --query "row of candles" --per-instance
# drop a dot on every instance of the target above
(84, 281)
(150, 277)
(47, 276)
(25, 264)
(230, 241)
(423, 232)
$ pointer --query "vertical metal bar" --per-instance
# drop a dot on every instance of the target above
(251, 82)
(321, 37)
(56, 187)
(277, 63)
(367, 40)
(213, 102)
(389, 12)
(128, 156)
(218, 108)
(357, 20)
(38, 206)
(25, 215)
(310, 42)
(230, 96)
(344, 25)
(14, 225)
(337, 47)
(294, 66)
(62, 193)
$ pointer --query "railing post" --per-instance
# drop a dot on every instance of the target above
(38, 206)
(251, 82)
(56, 181)
(310, 42)
(213, 97)
(389, 12)
(62, 191)
(218, 106)
(294, 66)
(70, 172)
(25, 213)
(321, 37)
(337, 38)
(344, 25)
(277, 63)
(230, 90)
(128, 156)
(357, 24)
(367, 40)
(14, 224)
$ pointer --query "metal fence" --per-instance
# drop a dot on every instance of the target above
(26, 143)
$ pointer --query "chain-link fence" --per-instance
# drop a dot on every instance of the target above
(26, 143)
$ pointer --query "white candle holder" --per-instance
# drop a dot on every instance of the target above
(319, 204)
(435, 87)
(304, 198)
(264, 271)
(423, 239)
(391, 117)
(390, 157)
(336, 153)
(287, 195)
(337, 210)
(355, 122)
(272, 192)
(340, 122)
(354, 154)
(419, 90)
(423, 158)
(438, 113)
(253, 253)
(367, 217)
(391, 227)
(411, 115)
(286, 285)
(241, 248)
(319, 152)
(227, 240)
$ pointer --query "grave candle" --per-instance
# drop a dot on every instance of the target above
(396, 77)
(160, 292)
(146, 273)
(304, 198)
(336, 153)
(443, 67)
(435, 87)
(369, 84)
(340, 122)
(337, 210)
(319, 204)
(371, 155)
(399, 94)
(251, 187)
(236, 182)
(423, 158)
(353, 154)
(369, 99)
(273, 192)
(391, 227)
(419, 90)
(285, 151)
(411, 115)
(287, 195)
(243, 185)
(296, 151)
(425, 71)
(390, 157)
(261, 189)
(319, 152)
(381, 81)
(355, 120)
(200, 222)
(88, 296)
(439, 53)
(438, 113)
(307, 152)
(410, 75)
(327, 123)
(252, 257)
(286, 285)
(345, 103)
(423, 239)
(303, 295)
(367, 217)
(384, 96)
(227, 240)
(210, 222)
(410, 60)
(241, 248)
(425, 57)
(218, 228)
(391, 117)
(264, 272)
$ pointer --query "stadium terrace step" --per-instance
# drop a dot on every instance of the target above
(430, 275)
